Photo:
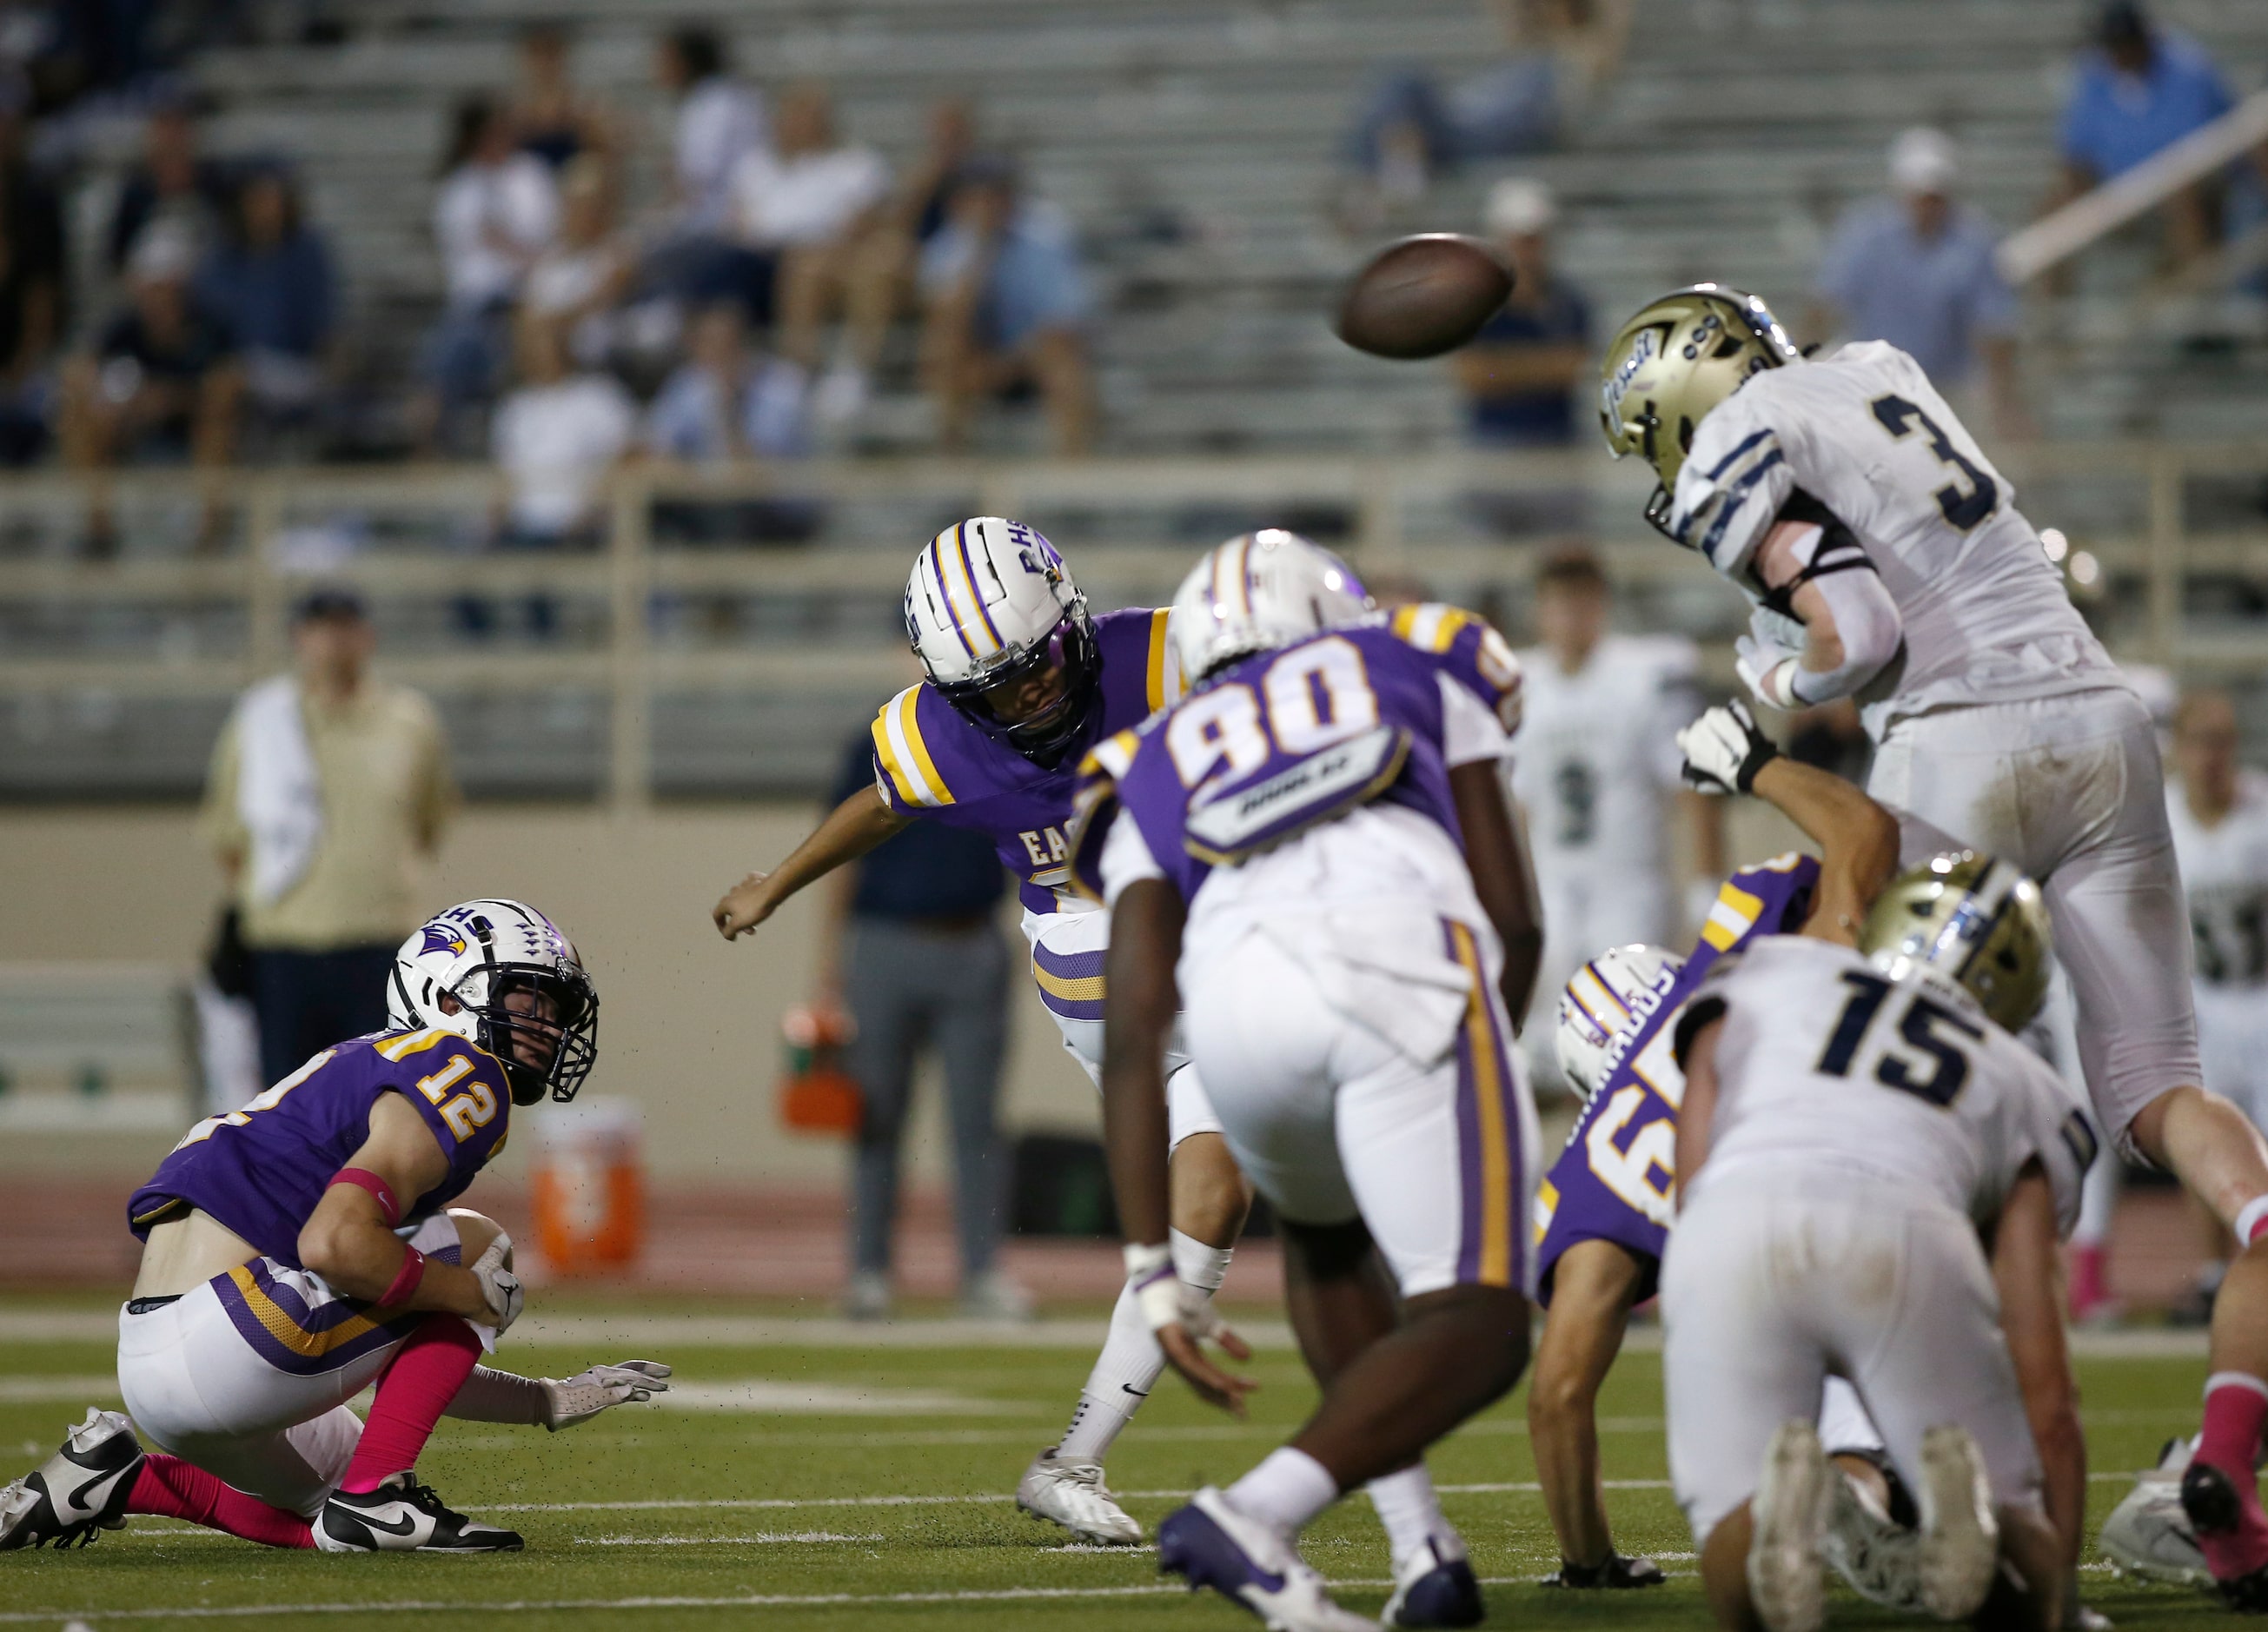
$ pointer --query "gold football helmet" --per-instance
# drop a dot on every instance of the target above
(1679, 358)
(1975, 919)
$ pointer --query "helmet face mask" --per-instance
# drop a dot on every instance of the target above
(1970, 920)
(501, 976)
(1677, 359)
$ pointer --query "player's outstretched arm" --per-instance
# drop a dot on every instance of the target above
(1592, 1286)
(2028, 1269)
(1503, 877)
(348, 1239)
(851, 828)
(1139, 1001)
(1726, 751)
(1822, 576)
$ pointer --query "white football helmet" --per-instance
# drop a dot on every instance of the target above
(1256, 593)
(479, 952)
(1598, 1001)
(990, 604)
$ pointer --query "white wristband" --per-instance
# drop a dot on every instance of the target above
(1156, 1289)
(1778, 687)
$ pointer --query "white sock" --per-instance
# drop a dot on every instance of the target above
(1285, 1491)
(1411, 1514)
(1123, 1373)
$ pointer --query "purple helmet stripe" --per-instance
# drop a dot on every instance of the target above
(952, 619)
(976, 590)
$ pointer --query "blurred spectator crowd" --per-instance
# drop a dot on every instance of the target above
(744, 314)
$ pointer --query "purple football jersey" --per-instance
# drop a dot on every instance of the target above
(1294, 737)
(932, 760)
(1614, 1180)
(261, 1170)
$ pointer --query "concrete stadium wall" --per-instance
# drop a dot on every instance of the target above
(689, 1027)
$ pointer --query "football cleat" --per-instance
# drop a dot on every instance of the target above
(1435, 1588)
(80, 1490)
(402, 1516)
(1960, 1538)
(1209, 1544)
(1617, 1573)
(1071, 1493)
(1789, 1513)
(2148, 1536)
(2217, 1508)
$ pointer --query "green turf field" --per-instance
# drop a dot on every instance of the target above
(870, 1490)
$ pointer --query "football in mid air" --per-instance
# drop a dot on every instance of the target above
(1420, 296)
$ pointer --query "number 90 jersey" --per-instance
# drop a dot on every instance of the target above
(1864, 433)
(1376, 711)
(1825, 1063)
(261, 1170)
(1615, 1179)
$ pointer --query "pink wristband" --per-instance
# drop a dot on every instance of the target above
(405, 1284)
(363, 1178)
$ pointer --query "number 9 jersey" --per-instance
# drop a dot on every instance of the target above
(1865, 434)
(1616, 1177)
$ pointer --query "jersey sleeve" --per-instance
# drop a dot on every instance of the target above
(1096, 809)
(1732, 485)
(1163, 680)
(1470, 652)
(459, 1089)
(906, 771)
(1126, 860)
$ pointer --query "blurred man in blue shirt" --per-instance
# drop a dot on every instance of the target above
(2140, 91)
(912, 949)
(1916, 269)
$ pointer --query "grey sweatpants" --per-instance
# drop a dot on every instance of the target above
(908, 987)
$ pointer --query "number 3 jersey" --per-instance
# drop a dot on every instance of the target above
(1826, 1066)
(1864, 433)
(261, 1170)
(1615, 1179)
(1343, 742)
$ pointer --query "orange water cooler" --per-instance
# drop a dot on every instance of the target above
(588, 1186)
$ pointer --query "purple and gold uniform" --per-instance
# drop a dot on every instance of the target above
(1352, 715)
(931, 760)
(1340, 974)
(1616, 1178)
(261, 1171)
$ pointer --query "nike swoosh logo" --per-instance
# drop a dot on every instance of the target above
(402, 1529)
(1140, 1393)
(88, 1500)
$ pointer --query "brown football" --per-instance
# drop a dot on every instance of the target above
(1422, 296)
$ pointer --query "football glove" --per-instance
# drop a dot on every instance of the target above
(571, 1400)
(499, 1287)
(1725, 749)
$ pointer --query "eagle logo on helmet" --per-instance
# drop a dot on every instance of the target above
(441, 937)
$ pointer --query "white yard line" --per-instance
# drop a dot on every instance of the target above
(753, 1600)
(763, 1538)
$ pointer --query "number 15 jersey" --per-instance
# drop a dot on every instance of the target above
(1827, 1065)
(1864, 433)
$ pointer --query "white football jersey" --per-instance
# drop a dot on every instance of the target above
(2225, 873)
(1866, 434)
(1598, 752)
(1825, 1061)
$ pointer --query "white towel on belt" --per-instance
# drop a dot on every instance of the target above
(277, 793)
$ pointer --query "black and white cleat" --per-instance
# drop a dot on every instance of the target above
(402, 1516)
(79, 1490)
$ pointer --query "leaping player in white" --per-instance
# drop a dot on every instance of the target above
(1887, 562)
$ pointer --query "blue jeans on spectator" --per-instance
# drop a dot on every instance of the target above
(306, 1001)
